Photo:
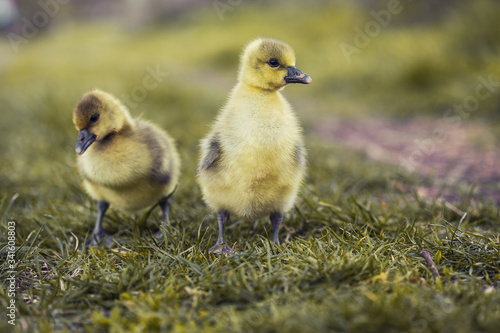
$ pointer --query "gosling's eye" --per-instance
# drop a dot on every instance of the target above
(273, 62)
(94, 117)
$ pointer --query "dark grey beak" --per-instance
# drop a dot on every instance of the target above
(85, 139)
(296, 76)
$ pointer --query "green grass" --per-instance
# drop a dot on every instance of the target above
(349, 258)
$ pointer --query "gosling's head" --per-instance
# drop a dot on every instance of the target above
(98, 116)
(269, 64)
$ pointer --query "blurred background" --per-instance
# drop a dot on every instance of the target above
(402, 129)
(414, 85)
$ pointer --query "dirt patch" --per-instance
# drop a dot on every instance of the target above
(453, 155)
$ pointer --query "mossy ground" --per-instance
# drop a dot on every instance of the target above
(349, 258)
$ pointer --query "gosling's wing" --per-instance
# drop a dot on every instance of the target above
(158, 146)
(211, 153)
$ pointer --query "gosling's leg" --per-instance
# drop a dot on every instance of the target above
(165, 221)
(221, 246)
(276, 219)
(99, 233)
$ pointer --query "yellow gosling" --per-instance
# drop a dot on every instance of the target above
(253, 160)
(128, 163)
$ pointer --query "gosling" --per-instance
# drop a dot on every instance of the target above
(253, 160)
(128, 163)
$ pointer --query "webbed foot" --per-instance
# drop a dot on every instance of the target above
(97, 239)
(220, 248)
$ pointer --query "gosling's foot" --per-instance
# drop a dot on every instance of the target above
(158, 234)
(164, 226)
(97, 240)
(220, 248)
(168, 230)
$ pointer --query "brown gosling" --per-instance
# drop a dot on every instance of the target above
(128, 163)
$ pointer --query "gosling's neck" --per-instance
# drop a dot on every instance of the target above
(261, 104)
(255, 93)
(126, 131)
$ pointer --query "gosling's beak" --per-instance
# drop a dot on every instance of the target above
(296, 76)
(85, 139)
